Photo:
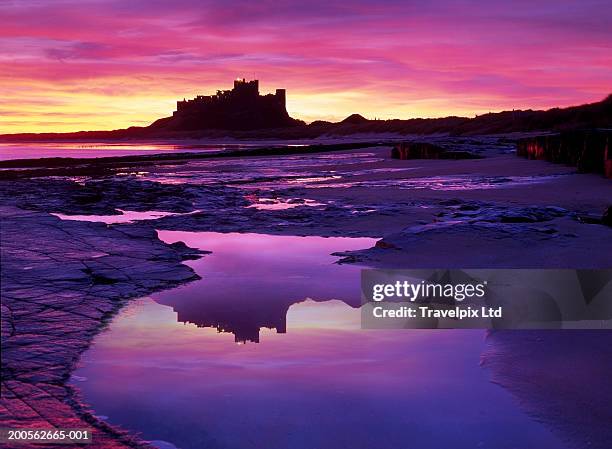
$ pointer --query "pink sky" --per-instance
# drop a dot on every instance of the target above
(68, 65)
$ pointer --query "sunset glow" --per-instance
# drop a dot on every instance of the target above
(71, 65)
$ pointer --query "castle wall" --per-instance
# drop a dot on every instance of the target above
(240, 108)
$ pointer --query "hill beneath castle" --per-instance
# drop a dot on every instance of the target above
(243, 113)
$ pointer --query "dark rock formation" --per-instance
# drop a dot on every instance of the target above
(425, 150)
(61, 281)
(588, 150)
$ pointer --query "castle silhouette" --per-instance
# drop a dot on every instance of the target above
(241, 108)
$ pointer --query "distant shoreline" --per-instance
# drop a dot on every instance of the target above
(60, 166)
(592, 115)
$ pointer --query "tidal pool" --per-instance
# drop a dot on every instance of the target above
(266, 351)
(126, 216)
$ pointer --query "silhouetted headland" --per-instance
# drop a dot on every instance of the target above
(243, 113)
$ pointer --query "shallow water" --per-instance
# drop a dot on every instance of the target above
(449, 182)
(336, 170)
(126, 216)
(177, 368)
(273, 172)
(275, 203)
(87, 149)
(36, 150)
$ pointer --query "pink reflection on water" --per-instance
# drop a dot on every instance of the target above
(126, 216)
(250, 280)
(263, 203)
(35, 150)
(449, 182)
(325, 384)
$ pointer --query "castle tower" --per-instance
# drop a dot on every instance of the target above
(281, 96)
(242, 86)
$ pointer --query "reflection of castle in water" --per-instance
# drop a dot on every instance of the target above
(250, 281)
(243, 321)
(244, 324)
(241, 316)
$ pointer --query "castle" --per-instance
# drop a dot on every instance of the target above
(241, 108)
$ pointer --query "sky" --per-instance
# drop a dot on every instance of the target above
(68, 65)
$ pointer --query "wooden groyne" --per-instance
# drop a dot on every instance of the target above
(589, 151)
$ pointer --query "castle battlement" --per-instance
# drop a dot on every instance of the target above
(244, 94)
(241, 108)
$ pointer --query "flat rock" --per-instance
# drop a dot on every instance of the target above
(61, 281)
